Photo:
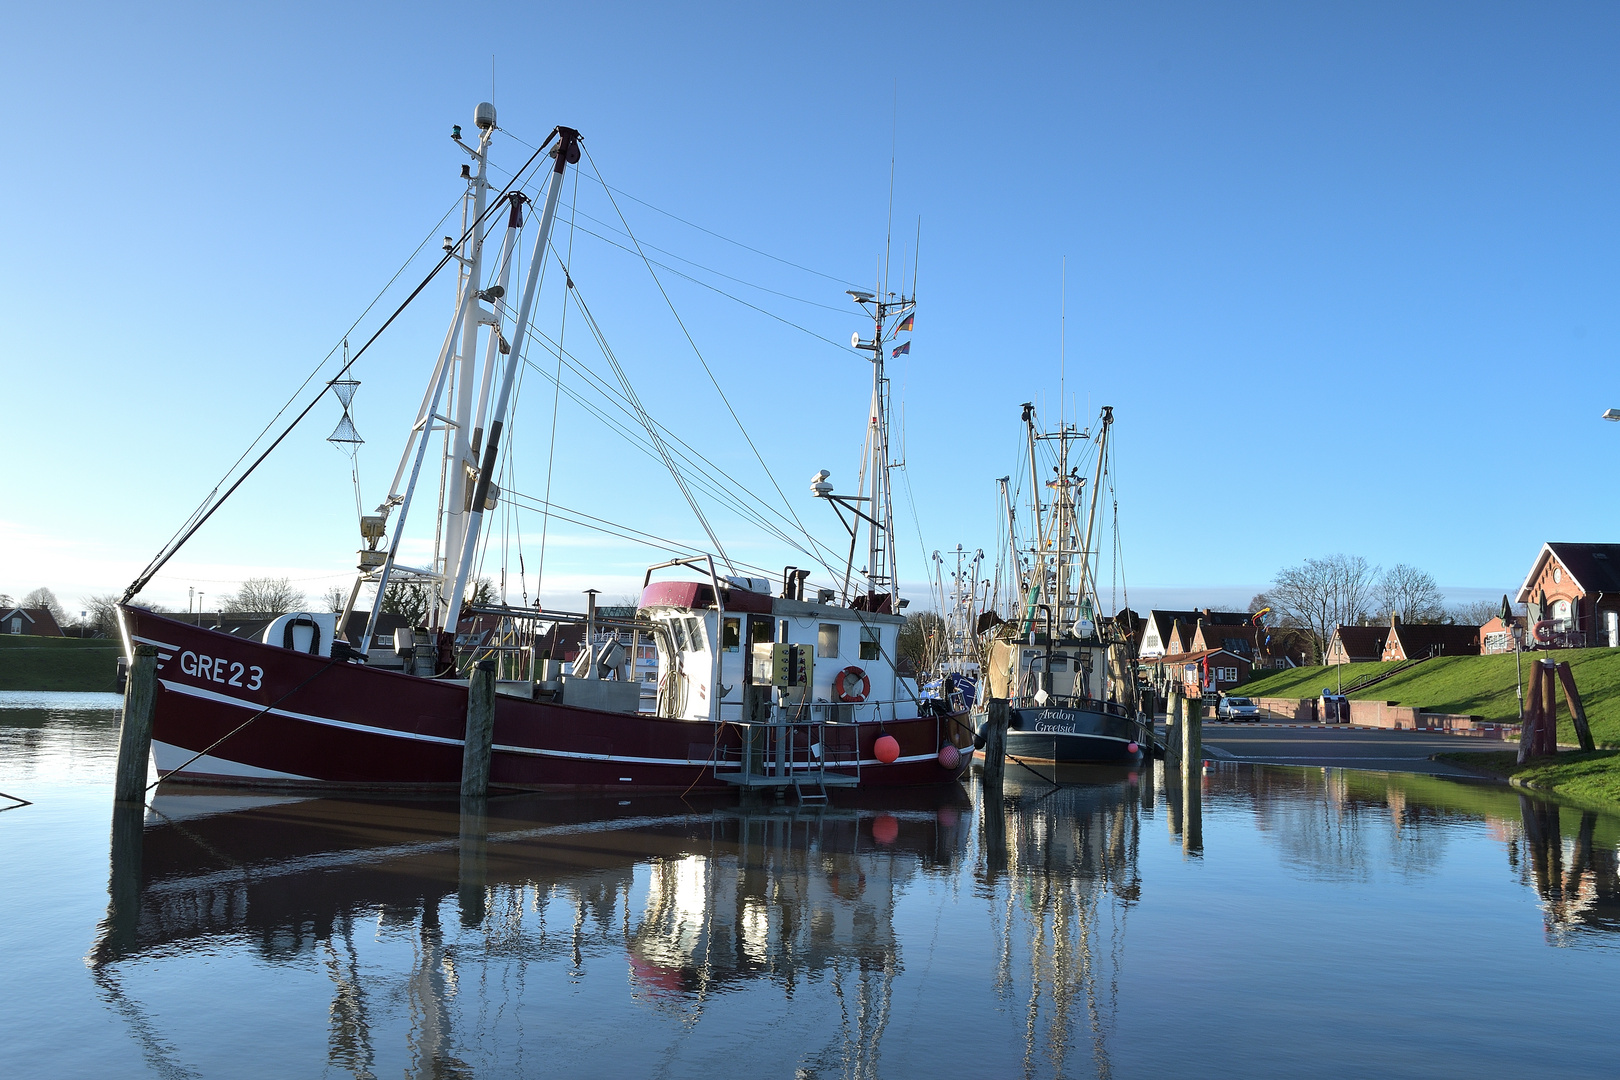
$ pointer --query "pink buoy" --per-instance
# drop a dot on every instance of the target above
(887, 748)
(1131, 748)
(949, 756)
(886, 828)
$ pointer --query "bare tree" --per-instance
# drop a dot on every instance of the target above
(920, 639)
(334, 598)
(1323, 594)
(407, 598)
(44, 598)
(102, 611)
(1479, 612)
(263, 596)
(1411, 594)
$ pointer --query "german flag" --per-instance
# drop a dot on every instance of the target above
(905, 323)
(901, 351)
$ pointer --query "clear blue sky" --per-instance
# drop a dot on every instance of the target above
(1347, 273)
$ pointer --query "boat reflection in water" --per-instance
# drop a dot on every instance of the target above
(1067, 845)
(927, 936)
(695, 900)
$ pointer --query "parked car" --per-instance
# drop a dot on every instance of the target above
(1237, 708)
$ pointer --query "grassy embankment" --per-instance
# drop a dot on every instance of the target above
(46, 663)
(1486, 686)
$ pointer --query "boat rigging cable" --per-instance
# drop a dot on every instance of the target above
(705, 474)
(647, 423)
(698, 352)
(699, 228)
(197, 522)
(556, 394)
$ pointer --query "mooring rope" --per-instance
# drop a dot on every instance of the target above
(215, 744)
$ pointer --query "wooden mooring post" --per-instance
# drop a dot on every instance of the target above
(1192, 777)
(1192, 735)
(1577, 711)
(480, 735)
(995, 745)
(135, 731)
(1174, 706)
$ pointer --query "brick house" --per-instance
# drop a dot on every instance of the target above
(1170, 631)
(1412, 641)
(1497, 636)
(1579, 584)
(1216, 669)
(1356, 645)
(37, 621)
(1283, 647)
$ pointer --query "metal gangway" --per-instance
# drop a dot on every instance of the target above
(807, 755)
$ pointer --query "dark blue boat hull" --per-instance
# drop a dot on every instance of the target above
(1073, 734)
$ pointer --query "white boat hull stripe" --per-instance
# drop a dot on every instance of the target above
(575, 755)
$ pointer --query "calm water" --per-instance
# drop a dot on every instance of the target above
(1298, 922)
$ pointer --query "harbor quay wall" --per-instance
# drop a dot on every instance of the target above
(1384, 714)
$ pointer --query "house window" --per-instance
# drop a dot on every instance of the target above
(827, 640)
(1226, 674)
(869, 643)
(731, 635)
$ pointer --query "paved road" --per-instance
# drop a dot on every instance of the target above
(1340, 747)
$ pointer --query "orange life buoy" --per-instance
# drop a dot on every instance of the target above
(841, 685)
(1542, 631)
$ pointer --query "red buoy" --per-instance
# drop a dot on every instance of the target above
(949, 756)
(887, 748)
(1131, 748)
(886, 829)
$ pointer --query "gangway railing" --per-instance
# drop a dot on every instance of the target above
(790, 751)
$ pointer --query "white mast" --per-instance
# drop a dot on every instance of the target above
(882, 573)
(565, 153)
(461, 461)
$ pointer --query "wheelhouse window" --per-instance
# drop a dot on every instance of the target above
(731, 636)
(682, 642)
(694, 631)
(761, 631)
(869, 643)
(827, 640)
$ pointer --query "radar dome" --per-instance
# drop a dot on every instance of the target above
(484, 116)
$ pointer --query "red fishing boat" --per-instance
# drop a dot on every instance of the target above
(758, 685)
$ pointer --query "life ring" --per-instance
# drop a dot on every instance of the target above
(841, 683)
(1543, 631)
